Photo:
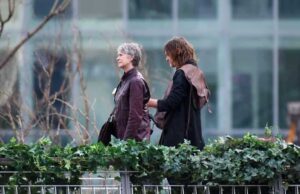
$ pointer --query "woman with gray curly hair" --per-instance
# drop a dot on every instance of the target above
(132, 94)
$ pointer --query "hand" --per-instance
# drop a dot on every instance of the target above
(152, 103)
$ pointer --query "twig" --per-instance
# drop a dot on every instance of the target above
(54, 12)
(11, 11)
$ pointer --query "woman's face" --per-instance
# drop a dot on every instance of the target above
(124, 61)
(169, 60)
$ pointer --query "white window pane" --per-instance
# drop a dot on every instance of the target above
(100, 9)
(253, 9)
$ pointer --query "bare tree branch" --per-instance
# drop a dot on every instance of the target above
(53, 112)
(78, 53)
(11, 11)
(56, 10)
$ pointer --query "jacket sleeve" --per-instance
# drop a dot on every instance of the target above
(178, 92)
(136, 108)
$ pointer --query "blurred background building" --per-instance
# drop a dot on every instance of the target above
(248, 49)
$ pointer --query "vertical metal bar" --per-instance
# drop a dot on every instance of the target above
(16, 189)
(125, 16)
(285, 191)
(80, 190)
(275, 65)
(132, 188)
(125, 182)
(144, 189)
(106, 190)
(28, 189)
(259, 190)
(120, 189)
(221, 190)
(277, 184)
(25, 69)
(246, 190)
(208, 190)
(195, 189)
(175, 16)
(75, 41)
(224, 67)
(157, 190)
(68, 189)
(273, 190)
(55, 189)
(233, 190)
(94, 190)
(255, 96)
(297, 190)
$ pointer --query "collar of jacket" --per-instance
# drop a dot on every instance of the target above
(192, 62)
(130, 73)
(196, 77)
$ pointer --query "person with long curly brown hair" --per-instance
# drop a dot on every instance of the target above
(184, 98)
(186, 95)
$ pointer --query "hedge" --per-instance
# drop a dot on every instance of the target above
(227, 160)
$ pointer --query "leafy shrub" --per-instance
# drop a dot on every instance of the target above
(227, 160)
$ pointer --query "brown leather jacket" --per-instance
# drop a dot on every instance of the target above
(131, 113)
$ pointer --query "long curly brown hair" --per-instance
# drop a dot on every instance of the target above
(180, 50)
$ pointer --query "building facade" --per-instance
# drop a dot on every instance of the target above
(248, 50)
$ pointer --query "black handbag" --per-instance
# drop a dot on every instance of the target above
(108, 129)
(161, 118)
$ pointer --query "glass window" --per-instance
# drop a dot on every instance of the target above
(289, 81)
(51, 89)
(147, 9)
(253, 9)
(10, 102)
(289, 9)
(42, 8)
(101, 77)
(159, 71)
(208, 64)
(197, 9)
(252, 88)
(100, 9)
(158, 74)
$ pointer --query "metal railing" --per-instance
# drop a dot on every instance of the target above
(147, 189)
(105, 183)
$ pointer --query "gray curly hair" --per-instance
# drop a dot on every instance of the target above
(132, 49)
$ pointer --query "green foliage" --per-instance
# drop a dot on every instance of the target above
(227, 160)
(144, 160)
(268, 131)
(20, 160)
(247, 160)
(182, 164)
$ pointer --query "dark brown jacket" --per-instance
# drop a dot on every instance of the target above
(131, 113)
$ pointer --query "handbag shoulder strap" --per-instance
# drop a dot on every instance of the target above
(112, 114)
(189, 111)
